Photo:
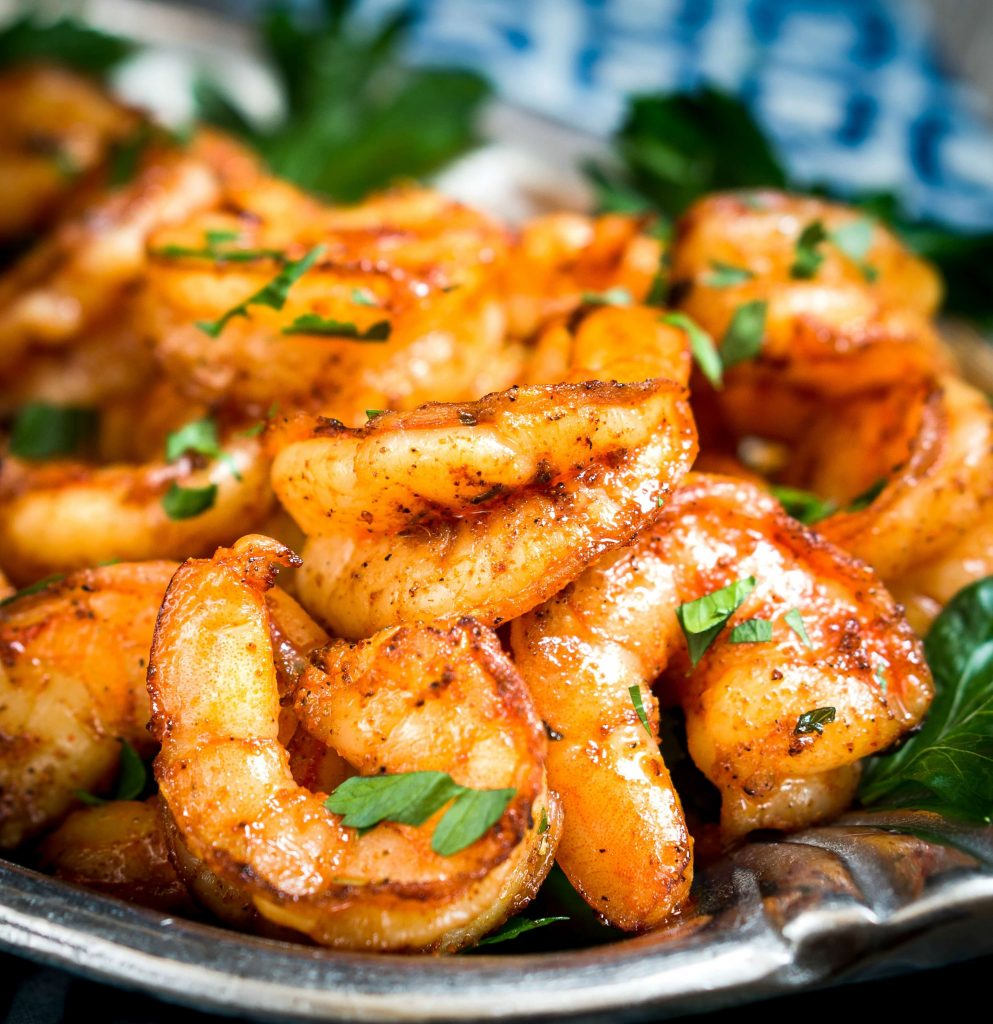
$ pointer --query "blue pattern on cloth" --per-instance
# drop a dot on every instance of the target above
(849, 90)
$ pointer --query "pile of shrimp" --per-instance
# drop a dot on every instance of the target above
(520, 530)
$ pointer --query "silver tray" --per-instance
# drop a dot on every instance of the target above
(872, 894)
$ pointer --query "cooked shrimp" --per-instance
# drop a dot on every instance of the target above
(90, 514)
(417, 272)
(858, 317)
(56, 126)
(561, 257)
(743, 701)
(84, 268)
(72, 685)
(415, 698)
(488, 508)
(118, 849)
(931, 445)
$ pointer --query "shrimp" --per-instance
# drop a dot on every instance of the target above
(488, 508)
(403, 304)
(413, 698)
(857, 317)
(57, 126)
(90, 514)
(561, 257)
(72, 686)
(930, 444)
(848, 653)
(119, 849)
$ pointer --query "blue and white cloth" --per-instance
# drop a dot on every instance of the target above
(850, 90)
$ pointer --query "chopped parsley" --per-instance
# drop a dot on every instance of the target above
(639, 707)
(725, 275)
(33, 588)
(611, 297)
(187, 502)
(814, 721)
(701, 345)
(132, 779)
(751, 631)
(312, 323)
(742, 340)
(807, 257)
(703, 619)
(410, 798)
(794, 620)
(273, 294)
(802, 505)
(43, 431)
(518, 926)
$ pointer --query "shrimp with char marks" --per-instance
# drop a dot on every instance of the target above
(745, 702)
(228, 784)
(488, 508)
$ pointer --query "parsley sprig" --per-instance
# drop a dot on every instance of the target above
(410, 798)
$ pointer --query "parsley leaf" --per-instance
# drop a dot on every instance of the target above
(361, 297)
(742, 340)
(751, 631)
(33, 588)
(854, 239)
(725, 275)
(132, 779)
(639, 707)
(945, 766)
(703, 619)
(273, 294)
(518, 926)
(701, 345)
(611, 297)
(410, 798)
(808, 257)
(802, 505)
(543, 824)
(43, 431)
(814, 721)
(312, 323)
(349, 92)
(187, 502)
(198, 436)
(868, 496)
(218, 246)
(794, 620)
(65, 41)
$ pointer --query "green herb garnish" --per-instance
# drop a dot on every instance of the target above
(794, 620)
(725, 275)
(945, 766)
(814, 721)
(854, 239)
(751, 631)
(199, 436)
(701, 345)
(808, 257)
(350, 90)
(312, 323)
(66, 41)
(742, 340)
(361, 297)
(639, 707)
(219, 246)
(187, 502)
(43, 431)
(273, 294)
(543, 823)
(611, 297)
(33, 588)
(518, 926)
(703, 619)
(410, 798)
(132, 778)
(867, 497)
(802, 505)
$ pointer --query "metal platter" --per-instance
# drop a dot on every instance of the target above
(871, 894)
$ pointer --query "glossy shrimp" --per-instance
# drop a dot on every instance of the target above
(488, 508)
(926, 449)
(413, 698)
(72, 674)
(848, 308)
(838, 645)
(401, 304)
